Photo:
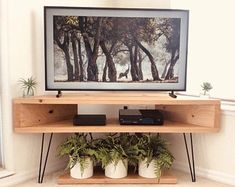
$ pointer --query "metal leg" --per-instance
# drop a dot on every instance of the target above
(41, 172)
(190, 160)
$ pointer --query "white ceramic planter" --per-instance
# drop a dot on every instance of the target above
(144, 171)
(117, 171)
(75, 172)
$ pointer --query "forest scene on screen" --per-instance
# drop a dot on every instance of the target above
(116, 49)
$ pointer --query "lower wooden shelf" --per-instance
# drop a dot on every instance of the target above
(114, 126)
(99, 178)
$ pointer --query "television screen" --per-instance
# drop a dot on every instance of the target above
(115, 49)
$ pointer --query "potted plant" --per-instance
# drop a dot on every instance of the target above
(154, 157)
(82, 154)
(28, 86)
(112, 155)
(206, 87)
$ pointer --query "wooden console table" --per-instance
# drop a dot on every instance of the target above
(48, 114)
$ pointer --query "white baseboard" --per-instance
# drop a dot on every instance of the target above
(209, 174)
(27, 175)
(5, 173)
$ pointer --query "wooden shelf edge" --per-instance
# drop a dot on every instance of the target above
(35, 130)
(99, 178)
(112, 98)
(69, 128)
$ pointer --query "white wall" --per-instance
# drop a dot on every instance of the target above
(22, 56)
(214, 153)
(211, 45)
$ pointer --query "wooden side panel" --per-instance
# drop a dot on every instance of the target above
(217, 117)
(16, 115)
(203, 115)
(26, 115)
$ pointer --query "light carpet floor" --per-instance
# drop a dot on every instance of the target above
(183, 181)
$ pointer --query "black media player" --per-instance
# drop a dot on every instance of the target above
(89, 119)
(140, 117)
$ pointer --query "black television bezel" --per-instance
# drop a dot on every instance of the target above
(108, 8)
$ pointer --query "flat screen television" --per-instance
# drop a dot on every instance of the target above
(115, 49)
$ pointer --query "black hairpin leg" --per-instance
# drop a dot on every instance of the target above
(190, 161)
(42, 171)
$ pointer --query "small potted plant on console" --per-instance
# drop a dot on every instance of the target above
(206, 87)
(81, 154)
(154, 157)
(28, 86)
